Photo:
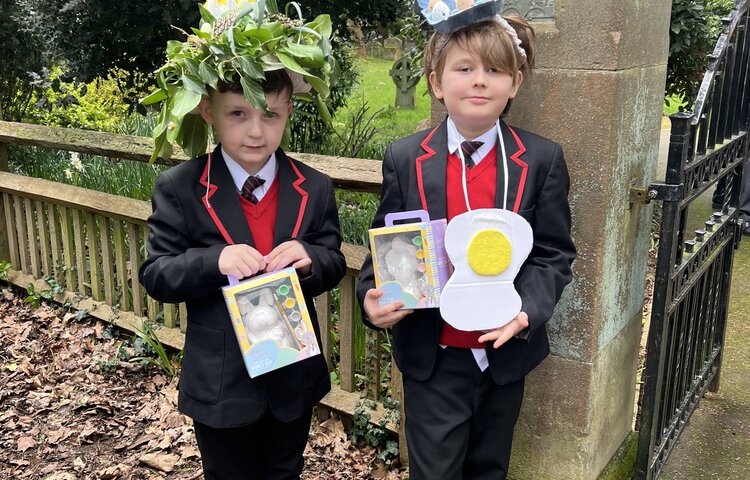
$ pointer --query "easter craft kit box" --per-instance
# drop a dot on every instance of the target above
(271, 321)
(409, 259)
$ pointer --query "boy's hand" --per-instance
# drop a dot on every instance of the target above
(385, 316)
(506, 332)
(240, 261)
(289, 253)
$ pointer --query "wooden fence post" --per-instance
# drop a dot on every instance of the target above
(4, 248)
(397, 390)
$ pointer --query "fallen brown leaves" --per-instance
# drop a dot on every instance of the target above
(330, 455)
(71, 410)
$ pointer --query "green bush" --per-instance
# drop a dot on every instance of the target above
(695, 27)
(97, 105)
(21, 61)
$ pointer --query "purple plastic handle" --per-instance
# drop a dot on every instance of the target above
(233, 280)
(409, 215)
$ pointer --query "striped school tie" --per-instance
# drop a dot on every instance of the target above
(251, 184)
(469, 148)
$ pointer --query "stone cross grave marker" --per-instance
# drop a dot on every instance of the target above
(406, 80)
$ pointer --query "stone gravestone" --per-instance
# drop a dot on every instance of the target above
(406, 78)
(394, 48)
(375, 49)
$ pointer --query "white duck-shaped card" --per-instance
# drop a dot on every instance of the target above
(487, 248)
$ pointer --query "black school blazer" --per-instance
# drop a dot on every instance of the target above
(192, 221)
(414, 177)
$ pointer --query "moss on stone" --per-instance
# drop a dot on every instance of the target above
(622, 464)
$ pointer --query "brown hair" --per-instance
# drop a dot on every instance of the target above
(276, 81)
(487, 40)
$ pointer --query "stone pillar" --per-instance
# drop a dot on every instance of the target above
(598, 90)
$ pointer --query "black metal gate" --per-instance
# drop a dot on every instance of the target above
(693, 274)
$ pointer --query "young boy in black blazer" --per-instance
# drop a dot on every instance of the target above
(244, 208)
(463, 390)
(203, 228)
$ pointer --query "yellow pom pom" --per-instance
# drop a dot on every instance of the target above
(489, 253)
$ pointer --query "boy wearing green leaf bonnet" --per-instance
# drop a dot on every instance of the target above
(243, 208)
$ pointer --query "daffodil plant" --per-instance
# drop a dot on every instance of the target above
(237, 40)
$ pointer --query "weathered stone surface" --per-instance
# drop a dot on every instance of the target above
(406, 99)
(608, 124)
(572, 422)
(530, 9)
(394, 47)
(604, 35)
(374, 49)
(612, 399)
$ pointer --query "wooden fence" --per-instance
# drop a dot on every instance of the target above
(87, 246)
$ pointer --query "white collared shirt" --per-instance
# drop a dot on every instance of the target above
(489, 139)
(239, 175)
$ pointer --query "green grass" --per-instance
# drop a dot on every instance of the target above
(377, 89)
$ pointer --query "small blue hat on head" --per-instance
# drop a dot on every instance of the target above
(447, 16)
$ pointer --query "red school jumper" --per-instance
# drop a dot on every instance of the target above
(261, 218)
(481, 183)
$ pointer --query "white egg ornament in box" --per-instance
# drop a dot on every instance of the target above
(487, 248)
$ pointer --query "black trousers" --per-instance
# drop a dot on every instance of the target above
(459, 423)
(268, 449)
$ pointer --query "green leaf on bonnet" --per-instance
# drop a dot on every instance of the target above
(184, 102)
(193, 135)
(307, 55)
(290, 63)
(155, 97)
(194, 84)
(253, 93)
(208, 75)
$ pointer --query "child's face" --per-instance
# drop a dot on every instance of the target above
(249, 135)
(474, 94)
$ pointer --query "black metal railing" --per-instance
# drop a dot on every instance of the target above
(708, 146)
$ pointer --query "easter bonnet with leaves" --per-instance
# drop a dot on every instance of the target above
(237, 40)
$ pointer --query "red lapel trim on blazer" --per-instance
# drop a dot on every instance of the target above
(429, 154)
(207, 196)
(524, 169)
(303, 194)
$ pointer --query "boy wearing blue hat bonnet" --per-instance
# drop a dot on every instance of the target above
(463, 389)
